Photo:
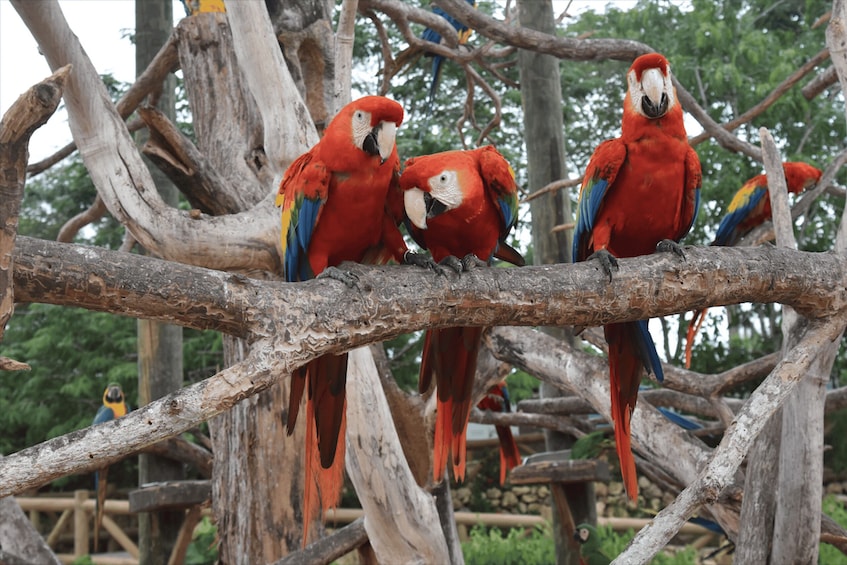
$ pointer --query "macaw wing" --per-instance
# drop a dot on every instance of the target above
(302, 194)
(104, 414)
(743, 205)
(693, 180)
(498, 178)
(600, 174)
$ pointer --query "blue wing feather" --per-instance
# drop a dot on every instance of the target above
(104, 414)
(300, 232)
(696, 210)
(589, 205)
(730, 222)
(679, 420)
(648, 350)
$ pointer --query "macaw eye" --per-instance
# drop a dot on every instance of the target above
(443, 178)
(359, 116)
(584, 533)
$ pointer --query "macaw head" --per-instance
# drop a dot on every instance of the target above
(650, 92)
(370, 123)
(800, 176)
(586, 535)
(113, 394)
(432, 185)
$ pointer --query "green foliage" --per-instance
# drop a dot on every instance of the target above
(518, 547)
(84, 560)
(203, 549)
(521, 385)
(834, 508)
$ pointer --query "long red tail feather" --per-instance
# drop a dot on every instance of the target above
(323, 486)
(326, 419)
(451, 354)
(693, 327)
(625, 370)
(510, 457)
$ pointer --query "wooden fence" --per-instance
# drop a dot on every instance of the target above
(78, 513)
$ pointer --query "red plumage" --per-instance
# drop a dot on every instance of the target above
(458, 203)
(497, 401)
(340, 202)
(638, 190)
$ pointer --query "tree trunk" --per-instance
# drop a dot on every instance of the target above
(257, 482)
(159, 345)
(541, 93)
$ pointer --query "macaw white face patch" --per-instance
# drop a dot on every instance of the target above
(445, 188)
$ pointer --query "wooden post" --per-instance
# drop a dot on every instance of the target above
(80, 523)
(568, 479)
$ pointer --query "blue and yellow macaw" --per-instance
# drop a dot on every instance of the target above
(114, 406)
(464, 34)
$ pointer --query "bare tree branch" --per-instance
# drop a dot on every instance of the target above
(720, 472)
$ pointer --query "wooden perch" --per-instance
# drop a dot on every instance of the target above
(323, 316)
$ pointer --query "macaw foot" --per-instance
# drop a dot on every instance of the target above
(334, 273)
(425, 261)
(669, 245)
(607, 261)
(471, 261)
(463, 265)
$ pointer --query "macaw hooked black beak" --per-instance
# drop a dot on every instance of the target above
(653, 110)
(115, 394)
(434, 207)
(371, 145)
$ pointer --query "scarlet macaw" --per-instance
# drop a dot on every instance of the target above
(464, 34)
(639, 190)
(497, 400)
(340, 202)
(749, 208)
(114, 406)
(458, 204)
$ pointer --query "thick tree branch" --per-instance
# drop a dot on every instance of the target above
(323, 316)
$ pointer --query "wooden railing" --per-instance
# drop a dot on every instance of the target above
(79, 511)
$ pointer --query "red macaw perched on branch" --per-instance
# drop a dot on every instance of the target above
(340, 202)
(640, 192)
(459, 204)
(497, 400)
(749, 208)
(114, 406)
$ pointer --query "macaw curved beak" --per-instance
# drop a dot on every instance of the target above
(421, 206)
(114, 394)
(654, 103)
(380, 140)
(414, 200)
